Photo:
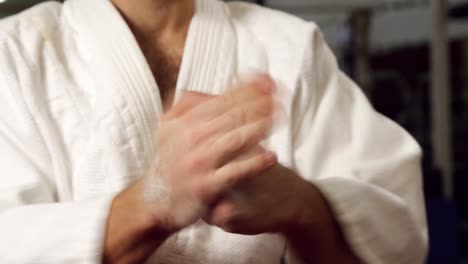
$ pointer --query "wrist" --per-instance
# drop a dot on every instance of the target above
(314, 232)
(132, 232)
(148, 215)
(304, 215)
(306, 231)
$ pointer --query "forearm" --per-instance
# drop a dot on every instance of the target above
(314, 235)
(133, 232)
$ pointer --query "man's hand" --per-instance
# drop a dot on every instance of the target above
(280, 201)
(197, 146)
(266, 203)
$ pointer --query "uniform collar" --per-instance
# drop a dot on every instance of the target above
(124, 83)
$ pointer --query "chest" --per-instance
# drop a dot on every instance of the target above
(108, 113)
(164, 63)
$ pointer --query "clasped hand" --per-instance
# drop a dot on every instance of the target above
(210, 164)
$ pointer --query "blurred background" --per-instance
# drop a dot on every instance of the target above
(411, 58)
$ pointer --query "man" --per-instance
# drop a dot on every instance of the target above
(125, 137)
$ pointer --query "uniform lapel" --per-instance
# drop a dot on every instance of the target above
(127, 103)
(209, 60)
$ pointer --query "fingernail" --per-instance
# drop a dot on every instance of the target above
(264, 83)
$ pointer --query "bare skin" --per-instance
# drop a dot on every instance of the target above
(202, 140)
(160, 28)
(221, 168)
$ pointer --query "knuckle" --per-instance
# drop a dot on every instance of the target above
(195, 163)
(202, 192)
(237, 117)
(235, 140)
(237, 175)
(234, 179)
(225, 220)
(229, 224)
(196, 137)
(241, 117)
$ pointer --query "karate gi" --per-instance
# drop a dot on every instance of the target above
(79, 109)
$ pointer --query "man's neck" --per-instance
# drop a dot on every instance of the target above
(163, 21)
(161, 28)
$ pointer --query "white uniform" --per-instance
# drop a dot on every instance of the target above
(79, 108)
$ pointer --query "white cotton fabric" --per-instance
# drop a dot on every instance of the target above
(79, 110)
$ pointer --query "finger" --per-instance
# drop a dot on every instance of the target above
(260, 87)
(230, 145)
(188, 101)
(233, 195)
(223, 211)
(236, 118)
(250, 153)
(235, 172)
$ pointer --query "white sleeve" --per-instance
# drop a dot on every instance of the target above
(367, 166)
(34, 226)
